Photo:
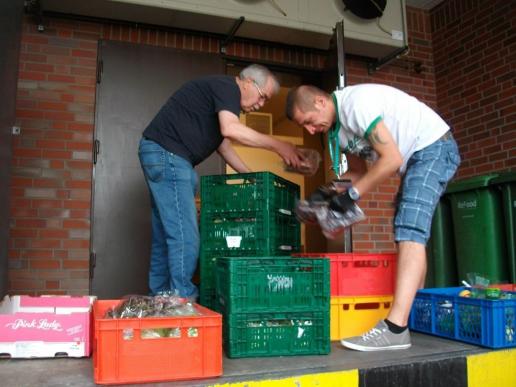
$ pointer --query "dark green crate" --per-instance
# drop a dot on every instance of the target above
(276, 334)
(261, 233)
(207, 298)
(269, 284)
(248, 192)
(207, 271)
(207, 294)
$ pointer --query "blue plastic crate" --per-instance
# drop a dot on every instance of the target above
(442, 312)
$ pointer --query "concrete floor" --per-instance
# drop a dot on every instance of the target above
(78, 372)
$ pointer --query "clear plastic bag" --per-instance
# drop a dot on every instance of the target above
(333, 223)
(165, 304)
(310, 163)
(306, 212)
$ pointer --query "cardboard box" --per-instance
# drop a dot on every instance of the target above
(45, 326)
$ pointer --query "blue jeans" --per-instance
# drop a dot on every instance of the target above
(172, 183)
(428, 172)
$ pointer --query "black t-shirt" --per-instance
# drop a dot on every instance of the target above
(188, 123)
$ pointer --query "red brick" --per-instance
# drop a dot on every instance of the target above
(37, 254)
(61, 78)
(45, 264)
(81, 126)
(22, 233)
(64, 116)
(39, 39)
(52, 105)
(76, 223)
(57, 154)
(56, 164)
(30, 223)
(79, 145)
(46, 243)
(51, 285)
(50, 144)
(85, 53)
(86, 184)
(76, 264)
(23, 212)
(33, 76)
(40, 67)
(56, 233)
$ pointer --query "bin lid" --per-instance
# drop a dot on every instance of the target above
(471, 183)
(504, 177)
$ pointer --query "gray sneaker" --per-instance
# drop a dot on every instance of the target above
(379, 338)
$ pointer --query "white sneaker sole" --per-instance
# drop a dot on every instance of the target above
(362, 348)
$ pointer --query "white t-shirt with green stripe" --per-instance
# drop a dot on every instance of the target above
(412, 124)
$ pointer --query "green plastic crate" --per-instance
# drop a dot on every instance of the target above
(248, 192)
(207, 294)
(269, 284)
(207, 297)
(276, 334)
(255, 233)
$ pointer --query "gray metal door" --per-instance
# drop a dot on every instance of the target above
(134, 82)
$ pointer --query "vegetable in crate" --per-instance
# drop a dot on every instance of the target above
(136, 306)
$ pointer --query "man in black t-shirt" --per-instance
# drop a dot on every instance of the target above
(198, 119)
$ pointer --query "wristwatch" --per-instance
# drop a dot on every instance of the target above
(353, 193)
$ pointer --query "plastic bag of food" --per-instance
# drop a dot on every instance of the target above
(162, 305)
(306, 212)
(333, 223)
(309, 164)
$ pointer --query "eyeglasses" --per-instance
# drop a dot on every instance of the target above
(260, 91)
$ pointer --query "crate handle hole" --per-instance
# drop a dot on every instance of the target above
(367, 305)
(160, 333)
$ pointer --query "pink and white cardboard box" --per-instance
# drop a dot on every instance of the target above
(45, 326)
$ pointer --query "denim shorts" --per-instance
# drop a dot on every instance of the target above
(428, 172)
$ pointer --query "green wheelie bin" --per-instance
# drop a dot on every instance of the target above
(478, 228)
(442, 265)
(506, 183)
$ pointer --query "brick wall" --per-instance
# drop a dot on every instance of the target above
(51, 176)
(52, 163)
(475, 64)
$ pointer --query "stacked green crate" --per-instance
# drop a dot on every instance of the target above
(247, 214)
(274, 306)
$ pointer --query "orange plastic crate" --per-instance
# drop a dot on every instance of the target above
(360, 274)
(121, 355)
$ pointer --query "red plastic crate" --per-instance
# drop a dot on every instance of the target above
(121, 355)
(360, 274)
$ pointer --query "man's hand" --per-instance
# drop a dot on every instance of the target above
(289, 153)
(342, 203)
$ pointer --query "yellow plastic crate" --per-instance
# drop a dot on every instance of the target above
(352, 316)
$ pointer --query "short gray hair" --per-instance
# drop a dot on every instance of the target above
(259, 74)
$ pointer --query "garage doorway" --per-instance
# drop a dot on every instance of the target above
(134, 82)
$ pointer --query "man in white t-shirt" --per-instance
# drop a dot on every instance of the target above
(395, 132)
